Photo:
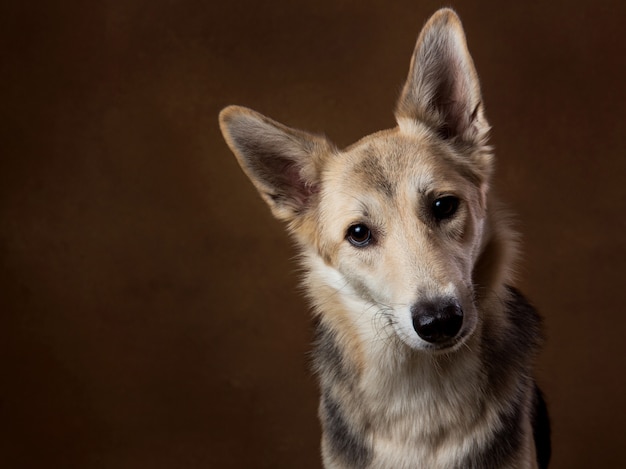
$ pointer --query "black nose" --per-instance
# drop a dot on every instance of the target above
(437, 321)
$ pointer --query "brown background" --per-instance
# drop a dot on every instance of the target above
(149, 312)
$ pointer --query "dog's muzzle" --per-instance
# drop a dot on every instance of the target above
(437, 322)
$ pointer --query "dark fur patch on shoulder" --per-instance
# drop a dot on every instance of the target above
(343, 441)
(508, 355)
(505, 443)
(328, 359)
(510, 352)
(525, 317)
(541, 429)
(335, 372)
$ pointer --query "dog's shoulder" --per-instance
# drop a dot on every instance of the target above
(528, 329)
(524, 319)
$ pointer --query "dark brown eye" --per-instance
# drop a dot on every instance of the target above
(359, 235)
(445, 207)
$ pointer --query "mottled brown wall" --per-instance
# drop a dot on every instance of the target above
(148, 312)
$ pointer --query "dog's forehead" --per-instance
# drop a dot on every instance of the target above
(389, 160)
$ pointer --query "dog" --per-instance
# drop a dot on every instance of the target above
(423, 350)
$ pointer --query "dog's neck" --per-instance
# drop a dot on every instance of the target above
(382, 398)
(390, 380)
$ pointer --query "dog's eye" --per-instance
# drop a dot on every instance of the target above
(359, 235)
(445, 207)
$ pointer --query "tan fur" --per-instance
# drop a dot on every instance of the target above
(422, 404)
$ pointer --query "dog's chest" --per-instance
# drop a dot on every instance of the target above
(430, 423)
(406, 415)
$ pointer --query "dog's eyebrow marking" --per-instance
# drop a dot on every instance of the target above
(364, 210)
(423, 183)
(361, 211)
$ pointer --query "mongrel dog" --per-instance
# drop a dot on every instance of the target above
(423, 352)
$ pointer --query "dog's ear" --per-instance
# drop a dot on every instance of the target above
(284, 164)
(442, 89)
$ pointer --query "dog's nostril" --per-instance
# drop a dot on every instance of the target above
(426, 326)
(437, 322)
(452, 320)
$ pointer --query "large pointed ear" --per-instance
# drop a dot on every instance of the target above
(442, 89)
(284, 164)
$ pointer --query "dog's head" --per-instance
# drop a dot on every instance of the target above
(394, 223)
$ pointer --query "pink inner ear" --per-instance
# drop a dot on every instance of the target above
(297, 187)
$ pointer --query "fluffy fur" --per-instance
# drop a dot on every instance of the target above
(424, 353)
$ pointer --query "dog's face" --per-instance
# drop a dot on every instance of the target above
(399, 217)
(393, 225)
